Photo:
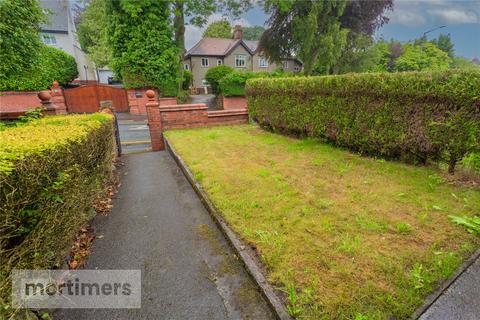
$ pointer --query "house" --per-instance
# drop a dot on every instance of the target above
(236, 53)
(60, 32)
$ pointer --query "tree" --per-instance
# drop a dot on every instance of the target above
(365, 16)
(218, 29)
(444, 43)
(92, 32)
(19, 40)
(253, 33)
(199, 11)
(310, 29)
(362, 54)
(141, 40)
(422, 57)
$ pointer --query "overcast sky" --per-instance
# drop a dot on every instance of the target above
(408, 20)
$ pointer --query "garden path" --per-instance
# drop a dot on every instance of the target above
(159, 225)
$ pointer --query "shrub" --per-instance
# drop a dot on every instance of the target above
(51, 170)
(187, 79)
(215, 74)
(412, 116)
(52, 65)
(233, 84)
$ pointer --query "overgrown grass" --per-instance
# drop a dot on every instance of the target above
(344, 236)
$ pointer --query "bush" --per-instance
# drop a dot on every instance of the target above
(52, 65)
(233, 84)
(412, 116)
(187, 79)
(51, 170)
(215, 74)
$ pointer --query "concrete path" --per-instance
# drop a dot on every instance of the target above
(159, 225)
(134, 134)
(461, 301)
(208, 99)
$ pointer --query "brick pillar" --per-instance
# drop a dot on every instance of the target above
(58, 99)
(154, 122)
(45, 99)
(133, 101)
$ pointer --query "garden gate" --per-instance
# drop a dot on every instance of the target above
(87, 98)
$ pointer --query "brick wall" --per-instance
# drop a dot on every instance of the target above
(137, 100)
(234, 103)
(187, 116)
(14, 104)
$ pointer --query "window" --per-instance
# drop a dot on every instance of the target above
(205, 83)
(240, 60)
(262, 63)
(285, 65)
(204, 62)
(49, 39)
(186, 66)
(296, 68)
(219, 62)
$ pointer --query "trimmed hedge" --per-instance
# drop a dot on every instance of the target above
(412, 116)
(215, 74)
(233, 84)
(51, 170)
(52, 65)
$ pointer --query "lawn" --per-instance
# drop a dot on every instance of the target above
(348, 236)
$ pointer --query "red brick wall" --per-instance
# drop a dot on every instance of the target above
(188, 116)
(234, 103)
(14, 104)
(137, 100)
(19, 101)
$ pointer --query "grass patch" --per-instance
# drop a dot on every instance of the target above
(342, 235)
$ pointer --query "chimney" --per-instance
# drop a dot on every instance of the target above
(237, 32)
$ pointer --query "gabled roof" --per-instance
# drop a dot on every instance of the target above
(252, 44)
(57, 16)
(218, 47)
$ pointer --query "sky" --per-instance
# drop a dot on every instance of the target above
(408, 20)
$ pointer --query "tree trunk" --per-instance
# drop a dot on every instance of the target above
(310, 61)
(179, 25)
(451, 164)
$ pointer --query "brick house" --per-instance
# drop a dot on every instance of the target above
(237, 53)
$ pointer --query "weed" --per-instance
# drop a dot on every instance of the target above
(471, 223)
(293, 308)
(403, 227)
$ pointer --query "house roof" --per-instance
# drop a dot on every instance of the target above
(57, 16)
(252, 44)
(216, 47)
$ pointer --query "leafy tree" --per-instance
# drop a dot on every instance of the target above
(362, 54)
(310, 29)
(218, 29)
(444, 43)
(215, 74)
(462, 63)
(253, 33)
(19, 40)
(422, 57)
(198, 12)
(141, 39)
(365, 16)
(92, 32)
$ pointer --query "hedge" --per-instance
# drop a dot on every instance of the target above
(52, 65)
(412, 116)
(51, 170)
(215, 74)
(233, 84)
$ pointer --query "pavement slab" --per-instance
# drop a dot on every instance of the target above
(159, 225)
(461, 300)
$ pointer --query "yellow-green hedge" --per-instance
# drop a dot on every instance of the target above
(51, 170)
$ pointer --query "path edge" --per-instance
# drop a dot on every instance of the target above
(235, 242)
(433, 297)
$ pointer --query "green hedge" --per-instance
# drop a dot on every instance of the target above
(51, 170)
(233, 84)
(52, 65)
(215, 74)
(412, 116)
